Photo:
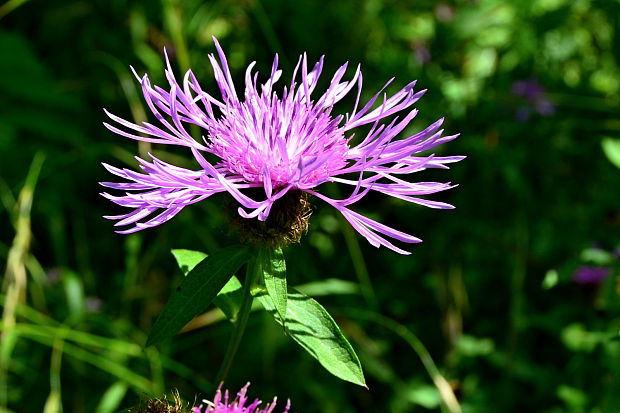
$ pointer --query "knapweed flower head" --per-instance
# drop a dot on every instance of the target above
(269, 151)
(592, 275)
(223, 404)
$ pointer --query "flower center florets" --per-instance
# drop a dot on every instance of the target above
(287, 222)
(285, 140)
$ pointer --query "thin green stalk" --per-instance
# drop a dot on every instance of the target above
(15, 276)
(253, 271)
(9, 6)
(101, 361)
(359, 264)
(517, 301)
(270, 34)
(157, 369)
(445, 390)
(54, 400)
(174, 24)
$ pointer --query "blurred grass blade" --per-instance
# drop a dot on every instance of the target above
(197, 290)
(173, 20)
(112, 398)
(101, 361)
(445, 390)
(79, 337)
(359, 263)
(53, 404)
(6, 196)
(329, 286)
(15, 278)
(30, 313)
(128, 85)
(9, 6)
(74, 291)
(54, 400)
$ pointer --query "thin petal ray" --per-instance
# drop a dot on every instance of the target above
(277, 144)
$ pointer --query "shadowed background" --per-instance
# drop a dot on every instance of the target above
(514, 294)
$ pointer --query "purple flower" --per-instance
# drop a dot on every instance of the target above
(591, 275)
(421, 52)
(238, 405)
(535, 96)
(278, 144)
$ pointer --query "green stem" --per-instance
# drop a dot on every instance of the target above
(174, 23)
(359, 264)
(445, 390)
(251, 276)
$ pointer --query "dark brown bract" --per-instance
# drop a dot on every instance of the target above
(286, 224)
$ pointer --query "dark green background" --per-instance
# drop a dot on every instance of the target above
(535, 197)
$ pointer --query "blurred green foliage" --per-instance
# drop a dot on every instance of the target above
(532, 86)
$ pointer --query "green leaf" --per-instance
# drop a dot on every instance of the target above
(74, 290)
(329, 286)
(229, 298)
(611, 147)
(112, 398)
(188, 259)
(274, 273)
(426, 396)
(597, 256)
(311, 326)
(197, 290)
(53, 404)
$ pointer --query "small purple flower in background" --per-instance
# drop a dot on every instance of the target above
(421, 52)
(535, 96)
(282, 145)
(238, 405)
(590, 274)
(444, 12)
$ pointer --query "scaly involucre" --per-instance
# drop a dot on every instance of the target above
(278, 143)
(238, 405)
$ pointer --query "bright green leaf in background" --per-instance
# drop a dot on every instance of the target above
(188, 259)
(112, 398)
(229, 298)
(426, 396)
(611, 148)
(329, 286)
(596, 256)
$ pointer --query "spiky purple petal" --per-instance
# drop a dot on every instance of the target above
(277, 144)
(223, 404)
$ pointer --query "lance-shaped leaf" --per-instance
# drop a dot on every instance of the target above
(310, 325)
(197, 291)
(188, 259)
(228, 299)
(274, 275)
